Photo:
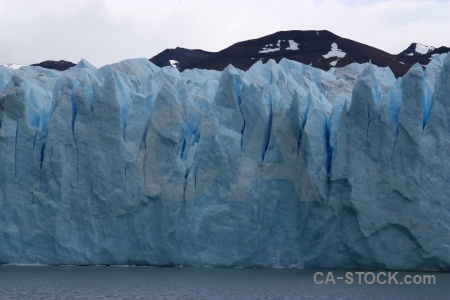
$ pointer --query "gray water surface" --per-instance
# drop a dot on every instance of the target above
(32, 282)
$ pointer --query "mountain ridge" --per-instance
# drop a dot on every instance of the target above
(310, 47)
(319, 48)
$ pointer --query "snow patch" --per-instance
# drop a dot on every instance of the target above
(333, 63)
(174, 63)
(422, 49)
(267, 48)
(335, 52)
(292, 45)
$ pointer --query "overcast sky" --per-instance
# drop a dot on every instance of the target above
(108, 31)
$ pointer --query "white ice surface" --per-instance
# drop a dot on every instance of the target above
(12, 66)
(284, 165)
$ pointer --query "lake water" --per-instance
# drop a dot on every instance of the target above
(31, 282)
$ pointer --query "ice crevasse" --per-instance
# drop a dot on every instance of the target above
(283, 165)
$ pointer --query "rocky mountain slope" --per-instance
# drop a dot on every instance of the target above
(321, 49)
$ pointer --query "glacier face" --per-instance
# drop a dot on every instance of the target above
(283, 165)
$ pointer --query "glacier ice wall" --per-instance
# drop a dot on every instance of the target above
(280, 166)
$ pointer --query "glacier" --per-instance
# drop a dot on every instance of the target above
(283, 166)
